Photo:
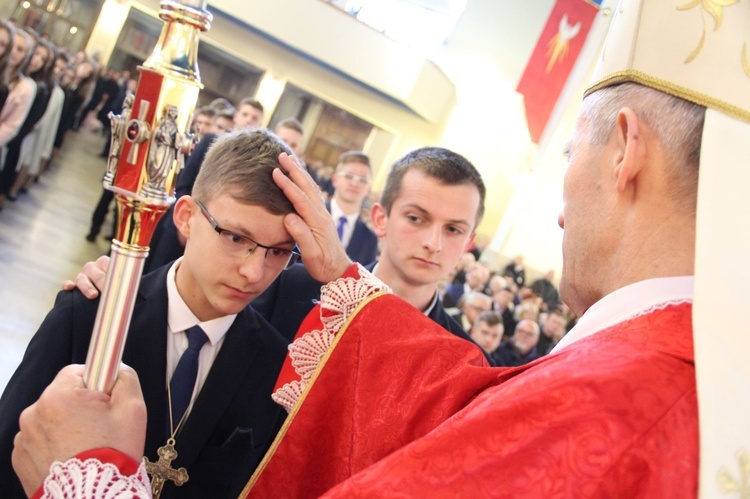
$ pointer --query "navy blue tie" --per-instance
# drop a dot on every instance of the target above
(340, 227)
(183, 380)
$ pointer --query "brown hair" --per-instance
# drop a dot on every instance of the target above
(208, 111)
(30, 47)
(353, 157)
(249, 101)
(241, 164)
(490, 318)
(290, 123)
(5, 58)
(448, 167)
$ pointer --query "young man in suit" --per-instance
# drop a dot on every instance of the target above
(432, 201)
(237, 244)
(351, 185)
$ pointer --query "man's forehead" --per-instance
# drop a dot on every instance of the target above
(416, 192)
(288, 132)
(230, 200)
(354, 165)
(477, 301)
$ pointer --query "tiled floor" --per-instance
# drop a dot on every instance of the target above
(42, 242)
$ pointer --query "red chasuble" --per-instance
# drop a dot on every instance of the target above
(412, 411)
(391, 376)
(612, 415)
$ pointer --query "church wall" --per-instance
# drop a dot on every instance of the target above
(484, 59)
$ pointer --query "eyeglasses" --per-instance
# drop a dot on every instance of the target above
(241, 246)
(357, 179)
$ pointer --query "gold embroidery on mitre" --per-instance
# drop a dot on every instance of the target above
(715, 10)
(729, 484)
(745, 60)
(670, 88)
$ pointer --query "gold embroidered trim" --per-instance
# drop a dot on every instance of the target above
(715, 9)
(731, 485)
(635, 76)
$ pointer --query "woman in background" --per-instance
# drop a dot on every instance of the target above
(36, 71)
(21, 89)
(44, 153)
(29, 161)
(6, 45)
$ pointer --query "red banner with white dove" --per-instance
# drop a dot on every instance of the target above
(553, 59)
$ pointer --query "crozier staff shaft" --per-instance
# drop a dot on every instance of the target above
(147, 143)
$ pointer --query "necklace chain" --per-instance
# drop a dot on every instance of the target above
(173, 430)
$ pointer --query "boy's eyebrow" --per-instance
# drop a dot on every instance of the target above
(242, 231)
(429, 215)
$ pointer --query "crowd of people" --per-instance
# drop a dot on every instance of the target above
(415, 370)
(45, 92)
(491, 304)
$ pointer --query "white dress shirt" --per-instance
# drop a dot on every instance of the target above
(631, 301)
(179, 319)
(351, 220)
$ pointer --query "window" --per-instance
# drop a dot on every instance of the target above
(424, 25)
(222, 75)
(68, 23)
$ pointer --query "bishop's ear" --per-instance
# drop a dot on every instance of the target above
(631, 148)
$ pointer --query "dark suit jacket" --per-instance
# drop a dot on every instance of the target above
(233, 420)
(363, 246)
(509, 323)
(294, 293)
(453, 292)
(508, 355)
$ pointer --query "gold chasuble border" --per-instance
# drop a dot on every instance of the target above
(293, 413)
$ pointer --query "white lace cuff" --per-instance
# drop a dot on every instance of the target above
(338, 300)
(92, 479)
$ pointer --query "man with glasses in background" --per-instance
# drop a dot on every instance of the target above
(351, 185)
(207, 390)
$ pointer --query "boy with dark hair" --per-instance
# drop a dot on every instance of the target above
(431, 205)
(249, 113)
(202, 119)
(236, 245)
(291, 131)
(440, 164)
(487, 331)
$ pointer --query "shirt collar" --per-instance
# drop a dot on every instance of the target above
(633, 300)
(336, 213)
(429, 308)
(181, 318)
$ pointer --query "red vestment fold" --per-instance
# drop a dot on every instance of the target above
(392, 376)
(612, 415)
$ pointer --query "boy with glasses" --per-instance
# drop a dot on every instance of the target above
(237, 244)
(351, 184)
